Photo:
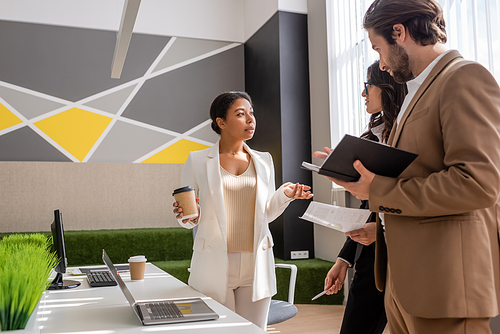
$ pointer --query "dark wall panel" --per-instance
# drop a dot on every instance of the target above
(277, 78)
(262, 82)
(296, 124)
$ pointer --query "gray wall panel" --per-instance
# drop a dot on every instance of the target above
(127, 143)
(112, 102)
(180, 99)
(186, 48)
(45, 68)
(26, 145)
(69, 63)
(206, 133)
(27, 105)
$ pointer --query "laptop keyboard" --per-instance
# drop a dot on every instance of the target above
(163, 310)
(100, 278)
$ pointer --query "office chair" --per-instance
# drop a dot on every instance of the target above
(279, 310)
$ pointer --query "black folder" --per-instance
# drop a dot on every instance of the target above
(378, 158)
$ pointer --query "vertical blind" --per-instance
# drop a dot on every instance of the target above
(472, 26)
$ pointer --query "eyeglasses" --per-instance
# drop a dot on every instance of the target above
(366, 86)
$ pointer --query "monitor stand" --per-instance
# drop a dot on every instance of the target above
(58, 283)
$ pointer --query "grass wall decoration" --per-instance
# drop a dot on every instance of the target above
(26, 261)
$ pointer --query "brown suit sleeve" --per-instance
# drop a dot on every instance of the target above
(455, 129)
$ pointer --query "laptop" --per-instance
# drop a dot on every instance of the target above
(163, 311)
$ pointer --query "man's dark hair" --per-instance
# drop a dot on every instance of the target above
(423, 19)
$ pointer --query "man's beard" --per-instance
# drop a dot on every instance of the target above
(399, 64)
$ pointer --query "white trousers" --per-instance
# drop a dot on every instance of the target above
(240, 289)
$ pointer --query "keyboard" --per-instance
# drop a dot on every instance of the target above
(163, 310)
(100, 278)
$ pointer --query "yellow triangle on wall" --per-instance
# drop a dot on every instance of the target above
(7, 118)
(76, 130)
(176, 153)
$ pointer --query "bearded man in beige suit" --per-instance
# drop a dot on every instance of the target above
(438, 256)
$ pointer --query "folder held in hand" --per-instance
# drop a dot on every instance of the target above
(378, 158)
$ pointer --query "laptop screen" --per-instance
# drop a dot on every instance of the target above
(191, 309)
(117, 278)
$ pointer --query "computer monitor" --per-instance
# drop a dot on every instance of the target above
(60, 249)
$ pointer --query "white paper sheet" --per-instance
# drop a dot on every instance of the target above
(336, 217)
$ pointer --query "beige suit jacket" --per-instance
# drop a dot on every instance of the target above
(209, 260)
(443, 248)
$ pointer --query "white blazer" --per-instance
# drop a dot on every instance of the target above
(209, 262)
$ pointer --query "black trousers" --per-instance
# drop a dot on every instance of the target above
(364, 312)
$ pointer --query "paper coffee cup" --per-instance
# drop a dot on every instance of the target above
(137, 266)
(186, 198)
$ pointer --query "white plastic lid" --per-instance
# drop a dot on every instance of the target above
(137, 258)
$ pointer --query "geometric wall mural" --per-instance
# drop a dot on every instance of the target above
(175, 153)
(75, 130)
(59, 103)
(7, 118)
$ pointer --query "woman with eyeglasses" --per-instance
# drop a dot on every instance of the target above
(365, 312)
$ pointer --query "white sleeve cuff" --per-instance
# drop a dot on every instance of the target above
(284, 198)
(350, 265)
(189, 224)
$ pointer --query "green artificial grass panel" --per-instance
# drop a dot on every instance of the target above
(178, 269)
(310, 279)
(157, 244)
(311, 275)
(171, 249)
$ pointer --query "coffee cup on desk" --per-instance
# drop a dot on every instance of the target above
(137, 267)
(186, 198)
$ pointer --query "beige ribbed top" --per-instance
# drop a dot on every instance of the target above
(239, 202)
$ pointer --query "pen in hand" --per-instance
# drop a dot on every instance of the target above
(322, 293)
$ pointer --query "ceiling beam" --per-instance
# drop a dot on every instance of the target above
(130, 10)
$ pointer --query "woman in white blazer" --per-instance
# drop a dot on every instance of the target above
(233, 260)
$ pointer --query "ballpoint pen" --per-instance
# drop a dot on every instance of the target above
(321, 293)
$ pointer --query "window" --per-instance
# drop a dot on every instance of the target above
(350, 54)
(472, 28)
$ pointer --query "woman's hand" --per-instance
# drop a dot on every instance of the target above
(336, 277)
(365, 235)
(179, 214)
(322, 155)
(297, 191)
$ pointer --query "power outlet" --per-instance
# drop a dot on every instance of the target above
(300, 255)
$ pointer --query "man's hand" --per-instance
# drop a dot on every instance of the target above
(361, 188)
(336, 276)
(365, 235)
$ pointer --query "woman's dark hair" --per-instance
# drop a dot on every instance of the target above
(392, 95)
(422, 18)
(221, 104)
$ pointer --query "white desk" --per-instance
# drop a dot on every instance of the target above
(104, 310)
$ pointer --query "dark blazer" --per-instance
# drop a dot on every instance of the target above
(364, 312)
